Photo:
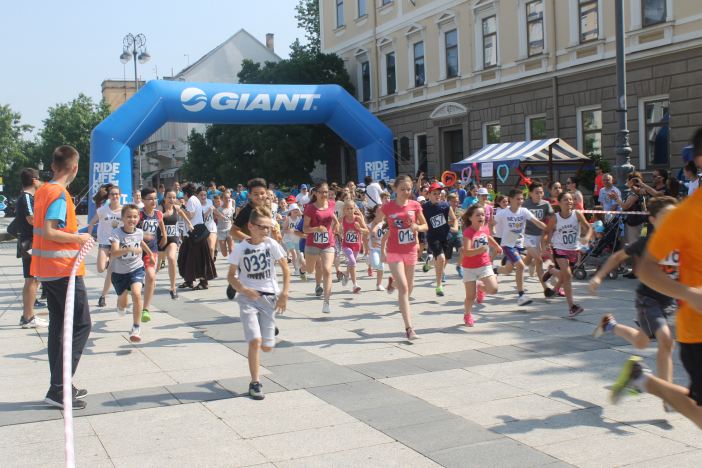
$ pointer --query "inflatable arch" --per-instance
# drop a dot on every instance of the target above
(114, 139)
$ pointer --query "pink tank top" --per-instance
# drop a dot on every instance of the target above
(352, 237)
(401, 239)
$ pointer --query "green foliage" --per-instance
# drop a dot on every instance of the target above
(71, 124)
(282, 153)
(307, 16)
(13, 148)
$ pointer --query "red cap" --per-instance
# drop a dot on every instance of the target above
(291, 199)
(435, 186)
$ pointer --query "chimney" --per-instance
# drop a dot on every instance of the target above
(270, 42)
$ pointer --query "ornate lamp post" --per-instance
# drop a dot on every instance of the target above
(623, 151)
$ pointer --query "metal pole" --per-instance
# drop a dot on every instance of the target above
(623, 151)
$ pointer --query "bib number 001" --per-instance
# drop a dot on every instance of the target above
(406, 236)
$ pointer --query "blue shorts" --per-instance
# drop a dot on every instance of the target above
(512, 254)
(124, 281)
(303, 242)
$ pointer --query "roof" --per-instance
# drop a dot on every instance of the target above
(532, 151)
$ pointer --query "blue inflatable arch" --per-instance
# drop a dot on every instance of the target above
(158, 102)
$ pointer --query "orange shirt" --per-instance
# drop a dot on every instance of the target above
(680, 230)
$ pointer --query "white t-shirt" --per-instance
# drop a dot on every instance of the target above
(256, 264)
(510, 226)
(302, 199)
(193, 205)
(289, 224)
(692, 186)
(108, 221)
(209, 218)
(373, 192)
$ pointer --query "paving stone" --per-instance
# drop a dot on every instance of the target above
(509, 352)
(26, 412)
(240, 386)
(434, 436)
(433, 363)
(362, 395)
(282, 355)
(385, 369)
(98, 403)
(473, 357)
(381, 456)
(408, 414)
(144, 398)
(198, 391)
(313, 374)
(502, 452)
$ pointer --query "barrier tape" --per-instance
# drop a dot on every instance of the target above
(615, 212)
(67, 357)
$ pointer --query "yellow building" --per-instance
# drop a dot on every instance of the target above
(117, 92)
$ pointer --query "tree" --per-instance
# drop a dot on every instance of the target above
(71, 124)
(13, 148)
(282, 153)
(307, 16)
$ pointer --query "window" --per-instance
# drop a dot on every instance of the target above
(362, 8)
(365, 81)
(339, 13)
(657, 132)
(451, 38)
(390, 80)
(404, 149)
(591, 132)
(653, 12)
(536, 128)
(420, 156)
(535, 27)
(589, 30)
(490, 41)
(419, 64)
(491, 133)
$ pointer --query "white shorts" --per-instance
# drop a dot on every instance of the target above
(223, 235)
(474, 274)
(532, 242)
(258, 318)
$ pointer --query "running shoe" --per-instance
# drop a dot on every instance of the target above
(135, 335)
(121, 312)
(174, 294)
(575, 310)
(632, 370)
(79, 392)
(549, 293)
(440, 291)
(326, 309)
(256, 391)
(480, 296)
(380, 287)
(370, 272)
(185, 285)
(426, 267)
(561, 292)
(163, 265)
(390, 289)
(231, 292)
(459, 270)
(601, 327)
(411, 334)
(303, 276)
(145, 316)
(38, 304)
(344, 280)
(356, 289)
(468, 320)
(54, 397)
(339, 276)
(523, 300)
(34, 322)
(102, 302)
(318, 290)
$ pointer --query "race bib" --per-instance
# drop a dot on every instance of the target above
(125, 245)
(208, 218)
(320, 238)
(149, 226)
(479, 242)
(256, 263)
(351, 237)
(406, 236)
(437, 220)
(171, 230)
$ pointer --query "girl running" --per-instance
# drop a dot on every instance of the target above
(377, 231)
(478, 277)
(290, 241)
(108, 217)
(563, 230)
(171, 211)
(320, 225)
(405, 221)
(208, 218)
(353, 229)
(224, 213)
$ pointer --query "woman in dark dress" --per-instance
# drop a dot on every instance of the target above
(194, 259)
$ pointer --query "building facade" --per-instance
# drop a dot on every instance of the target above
(450, 76)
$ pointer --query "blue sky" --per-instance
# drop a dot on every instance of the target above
(54, 50)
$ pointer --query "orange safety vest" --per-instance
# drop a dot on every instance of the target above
(53, 260)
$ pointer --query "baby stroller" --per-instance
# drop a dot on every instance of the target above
(608, 241)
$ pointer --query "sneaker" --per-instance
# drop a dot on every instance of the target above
(38, 304)
(303, 276)
(256, 391)
(145, 316)
(468, 320)
(370, 272)
(561, 292)
(318, 290)
(231, 292)
(102, 302)
(480, 296)
(356, 289)
(121, 312)
(411, 334)
(174, 294)
(426, 267)
(339, 276)
(440, 291)
(34, 322)
(163, 265)
(326, 309)
(380, 287)
(549, 293)
(459, 270)
(135, 335)
(632, 370)
(54, 397)
(344, 280)
(601, 327)
(575, 310)
(523, 300)
(390, 289)
(79, 392)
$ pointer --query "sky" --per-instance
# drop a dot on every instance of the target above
(54, 50)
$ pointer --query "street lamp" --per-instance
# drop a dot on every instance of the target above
(138, 52)
(623, 150)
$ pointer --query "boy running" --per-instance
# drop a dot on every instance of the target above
(152, 225)
(533, 236)
(252, 274)
(442, 220)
